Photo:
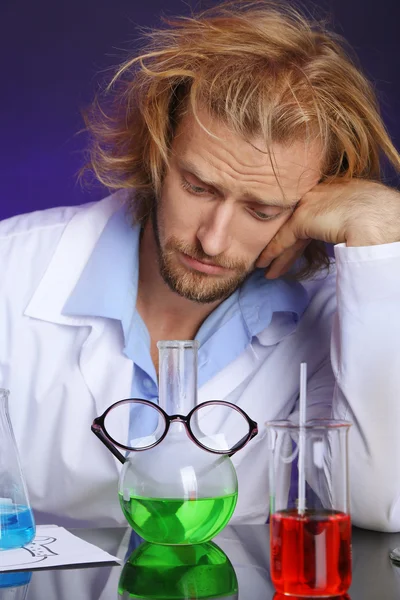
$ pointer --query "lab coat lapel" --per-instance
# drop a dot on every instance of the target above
(105, 370)
(233, 375)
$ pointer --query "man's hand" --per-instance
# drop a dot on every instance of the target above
(359, 213)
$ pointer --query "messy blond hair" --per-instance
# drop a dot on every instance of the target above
(263, 69)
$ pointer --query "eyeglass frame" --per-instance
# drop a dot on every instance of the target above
(100, 431)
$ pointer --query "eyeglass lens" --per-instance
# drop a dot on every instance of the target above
(134, 424)
(218, 427)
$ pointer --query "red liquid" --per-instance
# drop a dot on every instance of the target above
(311, 554)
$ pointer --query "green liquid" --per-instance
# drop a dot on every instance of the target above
(178, 521)
(176, 572)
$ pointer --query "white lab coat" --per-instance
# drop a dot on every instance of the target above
(63, 371)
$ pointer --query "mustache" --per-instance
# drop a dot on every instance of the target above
(197, 252)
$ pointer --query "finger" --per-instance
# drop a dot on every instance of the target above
(284, 239)
(286, 260)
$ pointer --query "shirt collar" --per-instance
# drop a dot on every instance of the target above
(260, 298)
(108, 284)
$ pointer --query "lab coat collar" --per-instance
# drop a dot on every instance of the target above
(108, 284)
(69, 260)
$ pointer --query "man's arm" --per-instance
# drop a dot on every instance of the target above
(366, 364)
(363, 217)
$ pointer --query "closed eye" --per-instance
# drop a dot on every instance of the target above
(193, 189)
(267, 214)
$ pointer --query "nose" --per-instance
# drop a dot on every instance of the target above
(214, 232)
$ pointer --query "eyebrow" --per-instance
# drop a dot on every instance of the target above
(192, 169)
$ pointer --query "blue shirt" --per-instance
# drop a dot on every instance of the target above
(108, 288)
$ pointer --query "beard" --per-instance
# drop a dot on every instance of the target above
(194, 285)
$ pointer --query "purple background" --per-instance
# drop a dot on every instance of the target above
(55, 53)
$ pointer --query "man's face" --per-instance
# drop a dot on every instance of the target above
(222, 201)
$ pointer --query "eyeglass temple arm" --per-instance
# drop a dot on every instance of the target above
(239, 444)
(98, 433)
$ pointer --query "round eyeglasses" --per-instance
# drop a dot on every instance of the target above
(216, 426)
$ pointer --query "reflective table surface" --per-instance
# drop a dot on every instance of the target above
(234, 566)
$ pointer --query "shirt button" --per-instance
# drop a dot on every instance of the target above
(147, 383)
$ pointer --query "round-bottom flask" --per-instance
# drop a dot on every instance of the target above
(176, 492)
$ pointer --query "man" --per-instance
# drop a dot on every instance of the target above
(241, 139)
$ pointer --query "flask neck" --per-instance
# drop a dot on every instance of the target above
(178, 376)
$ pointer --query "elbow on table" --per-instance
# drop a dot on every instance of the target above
(382, 514)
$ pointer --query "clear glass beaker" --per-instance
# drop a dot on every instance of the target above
(17, 525)
(178, 573)
(177, 492)
(310, 528)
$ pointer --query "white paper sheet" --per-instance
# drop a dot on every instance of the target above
(52, 547)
